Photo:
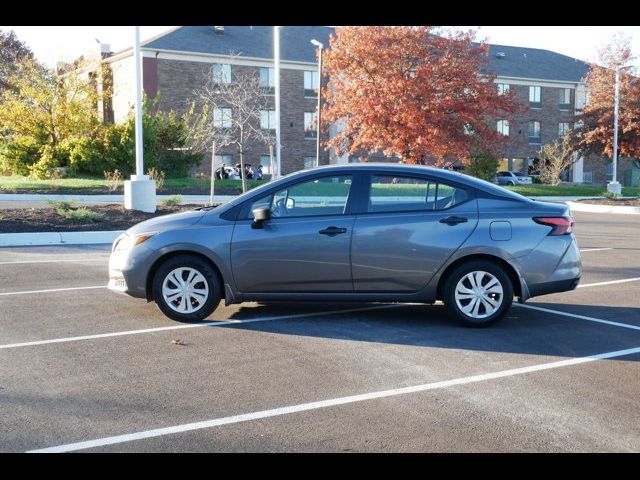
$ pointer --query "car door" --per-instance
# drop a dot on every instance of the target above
(304, 247)
(412, 225)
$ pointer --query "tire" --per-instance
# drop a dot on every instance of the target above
(513, 184)
(204, 290)
(458, 285)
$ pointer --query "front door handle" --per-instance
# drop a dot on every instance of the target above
(332, 231)
(453, 220)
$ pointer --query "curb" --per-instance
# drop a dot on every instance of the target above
(590, 207)
(58, 238)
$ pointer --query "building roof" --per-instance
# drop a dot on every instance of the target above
(257, 42)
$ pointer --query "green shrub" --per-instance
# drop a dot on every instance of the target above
(482, 165)
(611, 195)
(81, 215)
(62, 205)
(172, 201)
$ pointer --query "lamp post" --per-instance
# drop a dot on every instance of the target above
(140, 191)
(320, 47)
(276, 58)
(614, 186)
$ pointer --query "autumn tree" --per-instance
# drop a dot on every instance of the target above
(594, 129)
(12, 52)
(413, 92)
(555, 158)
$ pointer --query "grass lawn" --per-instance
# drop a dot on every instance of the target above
(88, 184)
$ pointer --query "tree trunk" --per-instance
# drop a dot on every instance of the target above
(213, 171)
(244, 181)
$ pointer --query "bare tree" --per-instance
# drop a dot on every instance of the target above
(555, 158)
(227, 111)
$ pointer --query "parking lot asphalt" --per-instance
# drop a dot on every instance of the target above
(83, 369)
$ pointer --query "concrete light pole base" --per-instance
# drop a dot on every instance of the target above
(140, 194)
(614, 187)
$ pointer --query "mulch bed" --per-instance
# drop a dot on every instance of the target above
(116, 217)
(631, 202)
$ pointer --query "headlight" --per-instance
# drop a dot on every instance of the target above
(127, 242)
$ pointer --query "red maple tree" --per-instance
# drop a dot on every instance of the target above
(414, 93)
(594, 130)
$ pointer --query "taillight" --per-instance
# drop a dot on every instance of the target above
(559, 225)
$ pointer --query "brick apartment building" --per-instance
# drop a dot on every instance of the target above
(181, 60)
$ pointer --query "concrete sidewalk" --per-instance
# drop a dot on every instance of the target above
(20, 200)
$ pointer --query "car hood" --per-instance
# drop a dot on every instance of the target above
(167, 222)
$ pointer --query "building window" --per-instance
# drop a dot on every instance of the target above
(517, 164)
(503, 127)
(534, 131)
(310, 83)
(565, 98)
(310, 125)
(268, 119)
(563, 128)
(221, 73)
(503, 88)
(534, 97)
(610, 170)
(309, 162)
(223, 160)
(267, 79)
(265, 161)
(222, 117)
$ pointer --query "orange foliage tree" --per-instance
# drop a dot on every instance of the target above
(413, 92)
(594, 130)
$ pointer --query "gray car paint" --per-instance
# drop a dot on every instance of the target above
(290, 262)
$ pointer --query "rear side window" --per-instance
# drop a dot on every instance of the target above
(406, 194)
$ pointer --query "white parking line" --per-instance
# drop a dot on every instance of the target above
(20, 262)
(193, 325)
(613, 282)
(580, 317)
(100, 442)
(4, 294)
(594, 249)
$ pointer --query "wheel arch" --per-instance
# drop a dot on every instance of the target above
(174, 253)
(508, 268)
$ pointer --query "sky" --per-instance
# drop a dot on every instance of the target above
(51, 44)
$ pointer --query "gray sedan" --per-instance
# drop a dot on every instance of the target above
(368, 232)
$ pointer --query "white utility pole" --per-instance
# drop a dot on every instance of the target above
(318, 117)
(614, 185)
(140, 191)
(276, 57)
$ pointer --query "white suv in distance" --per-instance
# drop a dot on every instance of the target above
(513, 178)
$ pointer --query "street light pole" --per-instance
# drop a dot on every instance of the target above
(318, 115)
(276, 57)
(614, 186)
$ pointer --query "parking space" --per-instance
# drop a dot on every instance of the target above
(84, 365)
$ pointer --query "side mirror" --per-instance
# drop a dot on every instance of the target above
(260, 215)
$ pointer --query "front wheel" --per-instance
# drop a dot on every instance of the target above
(478, 293)
(186, 288)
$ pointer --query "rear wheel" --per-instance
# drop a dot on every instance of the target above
(186, 288)
(478, 293)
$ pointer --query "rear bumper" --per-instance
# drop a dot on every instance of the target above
(553, 287)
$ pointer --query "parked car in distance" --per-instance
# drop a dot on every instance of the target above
(513, 178)
(359, 232)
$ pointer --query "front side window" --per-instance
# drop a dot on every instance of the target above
(267, 79)
(407, 194)
(310, 83)
(221, 73)
(534, 96)
(320, 196)
(222, 117)
(503, 127)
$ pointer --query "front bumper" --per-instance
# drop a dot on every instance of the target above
(128, 271)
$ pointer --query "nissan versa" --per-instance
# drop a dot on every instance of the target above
(368, 232)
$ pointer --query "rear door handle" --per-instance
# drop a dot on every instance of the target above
(332, 231)
(453, 220)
